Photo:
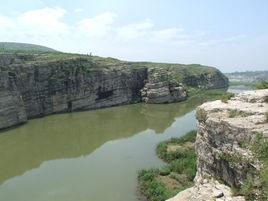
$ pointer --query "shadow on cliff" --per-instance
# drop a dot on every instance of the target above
(75, 134)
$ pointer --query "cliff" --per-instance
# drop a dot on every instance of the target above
(232, 149)
(38, 84)
(248, 77)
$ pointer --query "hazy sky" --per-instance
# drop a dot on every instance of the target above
(229, 34)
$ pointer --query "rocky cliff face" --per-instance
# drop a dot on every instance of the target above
(37, 90)
(161, 88)
(33, 85)
(231, 139)
(206, 81)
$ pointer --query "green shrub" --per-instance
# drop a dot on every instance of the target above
(266, 116)
(259, 147)
(227, 96)
(232, 158)
(147, 175)
(164, 171)
(179, 177)
(262, 85)
(266, 99)
(236, 113)
(201, 115)
(246, 189)
(181, 167)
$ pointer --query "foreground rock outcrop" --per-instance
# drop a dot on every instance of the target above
(38, 84)
(231, 141)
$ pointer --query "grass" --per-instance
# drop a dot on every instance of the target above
(231, 158)
(266, 117)
(165, 182)
(246, 189)
(227, 96)
(201, 115)
(261, 85)
(240, 83)
(259, 147)
(11, 46)
(235, 113)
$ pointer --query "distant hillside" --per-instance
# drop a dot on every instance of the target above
(21, 47)
(247, 77)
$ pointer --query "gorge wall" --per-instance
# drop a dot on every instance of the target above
(232, 150)
(34, 85)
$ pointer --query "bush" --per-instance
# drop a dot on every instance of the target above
(164, 171)
(266, 99)
(259, 147)
(227, 96)
(262, 85)
(201, 115)
(246, 189)
(181, 167)
(236, 113)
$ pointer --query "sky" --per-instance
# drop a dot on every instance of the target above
(231, 35)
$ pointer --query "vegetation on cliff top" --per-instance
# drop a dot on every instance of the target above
(259, 147)
(261, 85)
(34, 54)
(163, 183)
(23, 47)
(227, 96)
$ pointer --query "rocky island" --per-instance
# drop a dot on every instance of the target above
(40, 83)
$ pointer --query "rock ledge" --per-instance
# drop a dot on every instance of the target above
(223, 131)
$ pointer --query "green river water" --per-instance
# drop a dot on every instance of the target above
(88, 156)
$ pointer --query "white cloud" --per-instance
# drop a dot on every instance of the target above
(43, 21)
(135, 30)
(98, 26)
(169, 35)
(141, 40)
(47, 26)
(35, 26)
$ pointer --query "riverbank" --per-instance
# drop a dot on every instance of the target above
(40, 84)
(178, 173)
(232, 150)
(239, 183)
(70, 153)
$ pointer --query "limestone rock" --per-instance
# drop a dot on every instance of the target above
(223, 129)
(161, 88)
(39, 84)
(210, 191)
(11, 109)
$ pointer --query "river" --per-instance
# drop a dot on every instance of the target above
(88, 156)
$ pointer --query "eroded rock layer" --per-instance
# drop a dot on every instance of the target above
(161, 88)
(38, 84)
(227, 134)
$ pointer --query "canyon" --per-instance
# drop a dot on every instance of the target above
(38, 84)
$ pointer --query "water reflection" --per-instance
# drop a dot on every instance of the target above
(79, 134)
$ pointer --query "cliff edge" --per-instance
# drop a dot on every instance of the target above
(38, 84)
(232, 150)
